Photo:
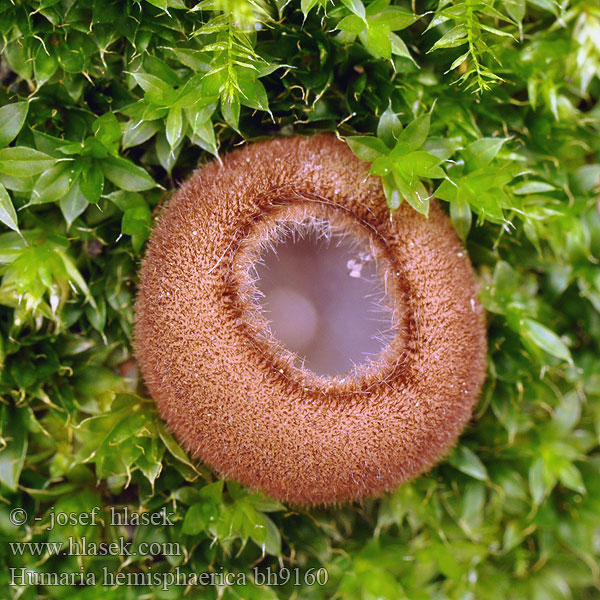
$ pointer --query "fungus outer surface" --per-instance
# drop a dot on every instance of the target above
(236, 398)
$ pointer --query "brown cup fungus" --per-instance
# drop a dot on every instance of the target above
(240, 401)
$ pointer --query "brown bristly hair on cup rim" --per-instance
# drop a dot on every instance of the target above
(236, 398)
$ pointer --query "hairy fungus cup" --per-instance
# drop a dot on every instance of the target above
(236, 398)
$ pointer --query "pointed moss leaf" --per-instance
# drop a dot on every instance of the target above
(236, 490)
(174, 448)
(512, 536)
(399, 47)
(570, 476)
(17, 184)
(272, 539)
(460, 214)
(365, 147)
(377, 40)
(125, 175)
(72, 59)
(136, 221)
(389, 127)
(545, 339)
(213, 492)
(459, 61)
(198, 516)
(496, 31)
(8, 215)
(422, 164)
(540, 481)
(200, 114)
(124, 200)
(91, 182)
(415, 133)
(216, 24)
(76, 277)
(413, 191)
(48, 143)
(487, 201)
(204, 136)
(376, 7)
(532, 187)
(265, 504)
(474, 500)
(17, 57)
(587, 176)
(150, 462)
(137, 132)
(12, 117)
(352, 24)
(356, 7)
(97, 314)
(307, 5)
(167, 156)
(443, 148)
(457, 36)
(465, 460)
(174, 126)
(548, 5)
(53, 184)
(253, 94)
(481, 152)
(154, 86)
(568, 412)
(382, 165)
(230, 109)
(73, 204)
(107, 131)
(392, 195)
(396, 17)
(162, 4)
(194, 93)
(77, 149)
(505, 280)
(207, 511)
(152, 112)
(418, 199)
(98, 149)
(44, 66)
(12, 455)
(447, 191)
(252, 524)
(516, 9)
(20, 161)
(532, 91)
(211, 84)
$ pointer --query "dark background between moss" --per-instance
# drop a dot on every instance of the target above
(107, 105)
